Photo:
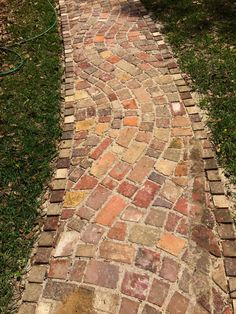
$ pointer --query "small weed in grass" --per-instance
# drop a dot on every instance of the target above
(203, 35)
(29, 129)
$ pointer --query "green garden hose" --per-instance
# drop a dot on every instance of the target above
(21, 60)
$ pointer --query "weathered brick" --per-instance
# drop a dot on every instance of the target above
(128, 306)
(147, 259)
(92, 234)
(144, 196)
(135, 285)
(116, 251)
(178, 304)
(98, 197)
(102, 274)
(32, 292)
(172, 244)
(77, 271)
(156, 218)
(158, 292)
(119, 171)
(111, 210)
(143, 235)
(169, 269)
(86, 183)
(37, 274)
(127, 189)
(118, 231)
(134, 151)
(102, 165)
(59, 268)
(141, 169)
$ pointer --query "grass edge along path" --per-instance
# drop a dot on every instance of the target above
(29, 130)
(203, 37)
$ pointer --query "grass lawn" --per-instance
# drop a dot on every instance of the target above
(29, 129)
(203, 36)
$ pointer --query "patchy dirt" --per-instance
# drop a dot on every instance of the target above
(78, 302)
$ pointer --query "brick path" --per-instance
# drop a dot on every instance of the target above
(131, 224)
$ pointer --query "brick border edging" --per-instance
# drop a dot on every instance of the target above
(218, 202)
(42, 250)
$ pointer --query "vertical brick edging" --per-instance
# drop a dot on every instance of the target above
(39, 261)
(215, 189)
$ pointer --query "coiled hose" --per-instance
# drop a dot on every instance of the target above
(21, 60)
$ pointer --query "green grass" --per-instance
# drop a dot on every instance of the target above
(203, 36)
(29, 129)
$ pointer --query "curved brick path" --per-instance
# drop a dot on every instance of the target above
(131, 224)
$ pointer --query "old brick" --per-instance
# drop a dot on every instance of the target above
(144, 196)
(92, 234)
(98, 197)
(135, 285)
(147, 259)
(77, 271)
(172, 244)
(156, 218)
(178, 304)
(128, 306)
(118, 252)
(118, 231)
(102, 274)
(113, 208)
(127, 189)
(144, 235)
(86, 183)
(158, 292)
(169, 269)
(37, 274)
(141, 169)
(119, 171)
(59, 268)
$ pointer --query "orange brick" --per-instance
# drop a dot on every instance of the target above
(130, 121)
(113, 59)
(101, 166)
(129, 104)
(99, 39)
(113, 208)
(172, 244)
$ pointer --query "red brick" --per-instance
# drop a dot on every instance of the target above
(102, 274)
(111, 210)
(85, 213)
(169, 269)
(98, 197)
(59, 268)
(118, 231)
(182, 206)
(67, 213)
(178, 304)
(158, 293)
(147, 259)
(109, 183)
(128, 306)
(119, 171)
(86, 183)
(183, 227)
(77, 271)
(172, 222)
(135, 285)
(127, 189)
(144, 196)
(100, 149)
